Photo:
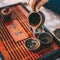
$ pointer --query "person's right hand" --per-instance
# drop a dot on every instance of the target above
(32, 3)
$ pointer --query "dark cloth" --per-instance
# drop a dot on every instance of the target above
(53, 5)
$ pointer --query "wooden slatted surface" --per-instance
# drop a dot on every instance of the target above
(17, 50)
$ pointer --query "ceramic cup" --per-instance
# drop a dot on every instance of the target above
(6, 12)
(32, 44)
(45, 38)
(57, 32)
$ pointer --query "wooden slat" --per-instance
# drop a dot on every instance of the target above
(6, 43)
(22, 21)
(18, 50)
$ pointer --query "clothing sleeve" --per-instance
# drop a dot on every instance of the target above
(53, 5)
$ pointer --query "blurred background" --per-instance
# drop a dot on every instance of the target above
(9, 2)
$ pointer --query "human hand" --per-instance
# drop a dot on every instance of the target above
(36, 4)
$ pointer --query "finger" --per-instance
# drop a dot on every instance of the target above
(27, 1)
(42, 2)
(33, 4)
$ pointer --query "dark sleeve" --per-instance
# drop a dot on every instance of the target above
(53, 5)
